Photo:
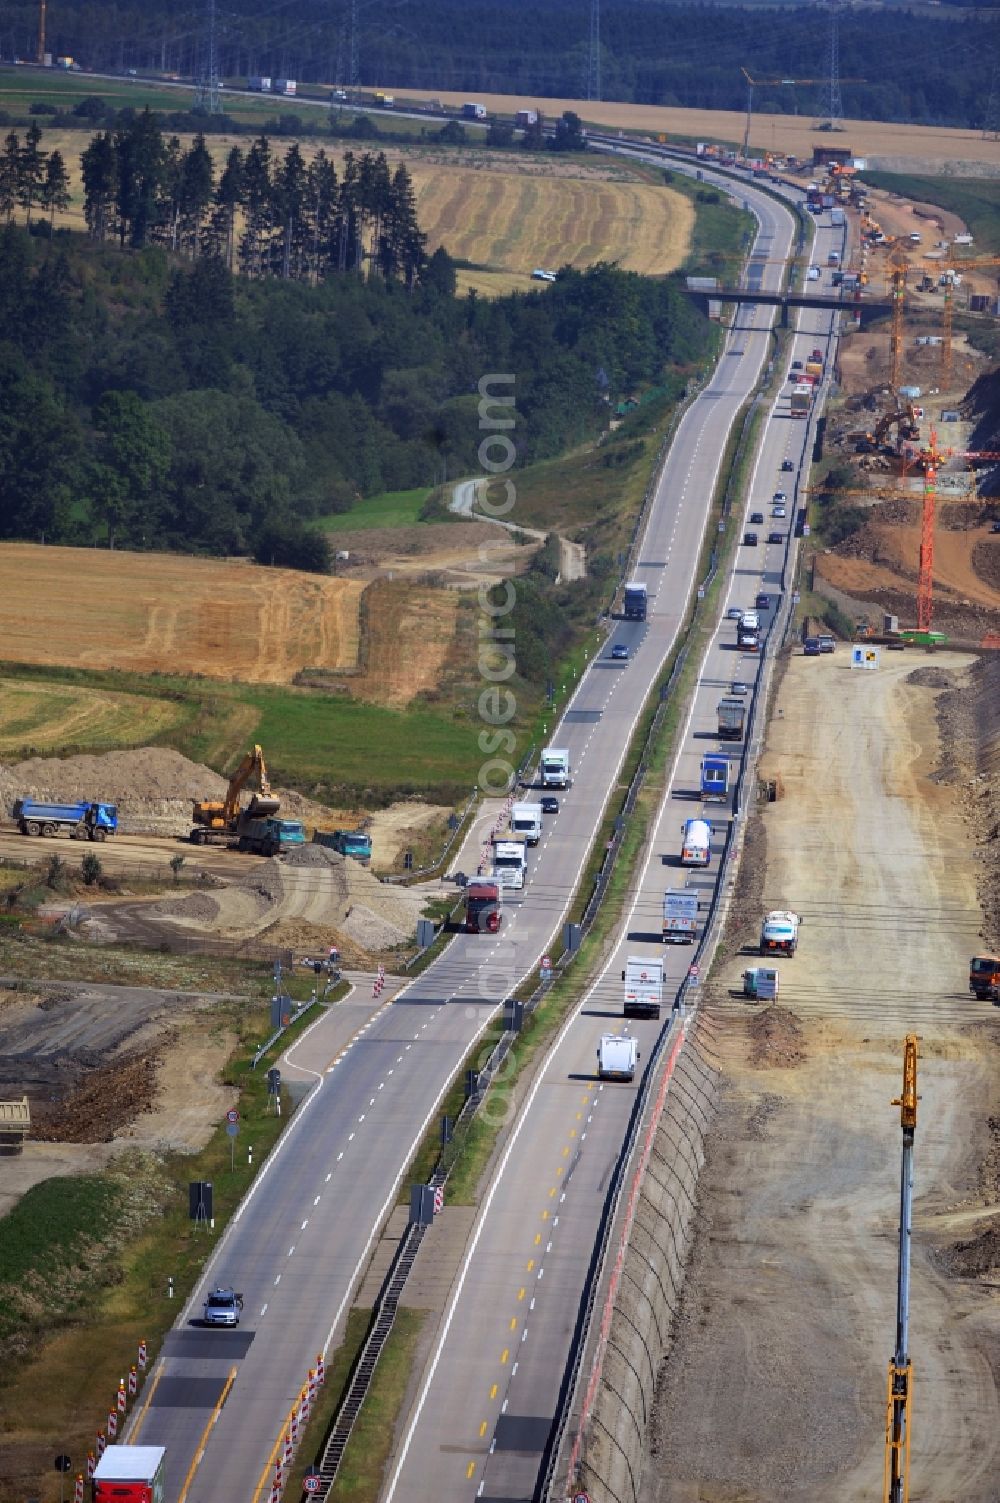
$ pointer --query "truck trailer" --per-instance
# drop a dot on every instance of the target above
(715, 777)
(355, 843)
(129, 1474)
(732, 714)
(483, 912)
(636, 601)
(85, 821)
(643, 986)
(800, 400)
(680, 916)
(270, 836)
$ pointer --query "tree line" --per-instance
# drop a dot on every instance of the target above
(152, 401)
(267, 214)
(669, 54)
(30, 178)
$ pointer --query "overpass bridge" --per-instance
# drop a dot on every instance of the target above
(861, 307)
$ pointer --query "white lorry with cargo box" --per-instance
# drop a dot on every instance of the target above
(680, 917)
(643, 986)
(617, 1057)
(510, 860)
(556, 772)
(526, 820)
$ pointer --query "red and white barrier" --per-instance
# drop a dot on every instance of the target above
(133, 1382)
(320, 1370)
(101, 1444)
(112, 1424)
(78, 1488)
(91, 1464)
(122, 1400)
(142, 1356)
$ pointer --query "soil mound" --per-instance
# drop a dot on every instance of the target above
(977, 1257)
(140, 781)
(776, 1040)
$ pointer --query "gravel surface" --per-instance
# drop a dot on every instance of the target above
(775, 1388)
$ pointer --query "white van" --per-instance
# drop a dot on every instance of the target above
(617, 1057)
(696, 844)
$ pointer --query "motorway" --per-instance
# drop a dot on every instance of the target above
(302, 1237)
(484, 1414)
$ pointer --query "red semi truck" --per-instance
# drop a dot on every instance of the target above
(482, 907)
(130, 1474)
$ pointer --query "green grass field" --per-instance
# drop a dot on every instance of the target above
(974, 199)
(391, 509)
(24, 85)
(330, 745)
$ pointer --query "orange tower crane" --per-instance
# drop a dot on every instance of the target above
(931, 458)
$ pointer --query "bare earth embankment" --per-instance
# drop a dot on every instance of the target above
(775, 1387)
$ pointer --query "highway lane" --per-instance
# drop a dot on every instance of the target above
(301, 1239)
(486, 1408)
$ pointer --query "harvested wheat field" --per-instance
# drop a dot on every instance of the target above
(506, 214)
(411, 640)
(158, 613)
(880, 141)
(49, 717)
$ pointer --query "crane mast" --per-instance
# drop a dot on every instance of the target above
(896, 1476)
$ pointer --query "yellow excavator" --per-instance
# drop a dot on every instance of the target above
(217, 821)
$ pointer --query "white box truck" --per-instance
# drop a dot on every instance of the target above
(129, 1474)
(555, 768)
(526, 820)
(680, 916)
(696, 842)
(510, 860)
(643, 986)
(617, 1057)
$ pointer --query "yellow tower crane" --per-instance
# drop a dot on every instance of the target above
(896, 1477)
(777, 83)
(949, 309)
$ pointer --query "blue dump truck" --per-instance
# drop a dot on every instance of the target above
(354, 843)
(86, 821)
(635, 602)
(268, 837)
(715, 777)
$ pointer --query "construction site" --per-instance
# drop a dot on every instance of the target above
(903, 484)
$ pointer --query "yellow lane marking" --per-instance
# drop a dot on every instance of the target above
(504, 1355)
(470, 1469)
(520, 1292)
(482, 1429)
(513, 1322)
(493, 1391)
(199, 1453)
(140, 1420)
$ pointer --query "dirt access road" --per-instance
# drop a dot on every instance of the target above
(775, 1387)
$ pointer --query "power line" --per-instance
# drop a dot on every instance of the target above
(594, 55)
(206, 98)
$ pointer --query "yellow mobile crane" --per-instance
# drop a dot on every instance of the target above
(896, 1479)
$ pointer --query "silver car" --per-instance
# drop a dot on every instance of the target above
(222, 1308)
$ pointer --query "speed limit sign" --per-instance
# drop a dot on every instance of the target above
(311, 1482)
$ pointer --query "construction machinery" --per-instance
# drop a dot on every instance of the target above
(896, 1475)
(961, 265)
(779, 83)
(874, 441)
(216, 821)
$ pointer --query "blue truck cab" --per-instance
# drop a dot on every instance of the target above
(715, 777)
